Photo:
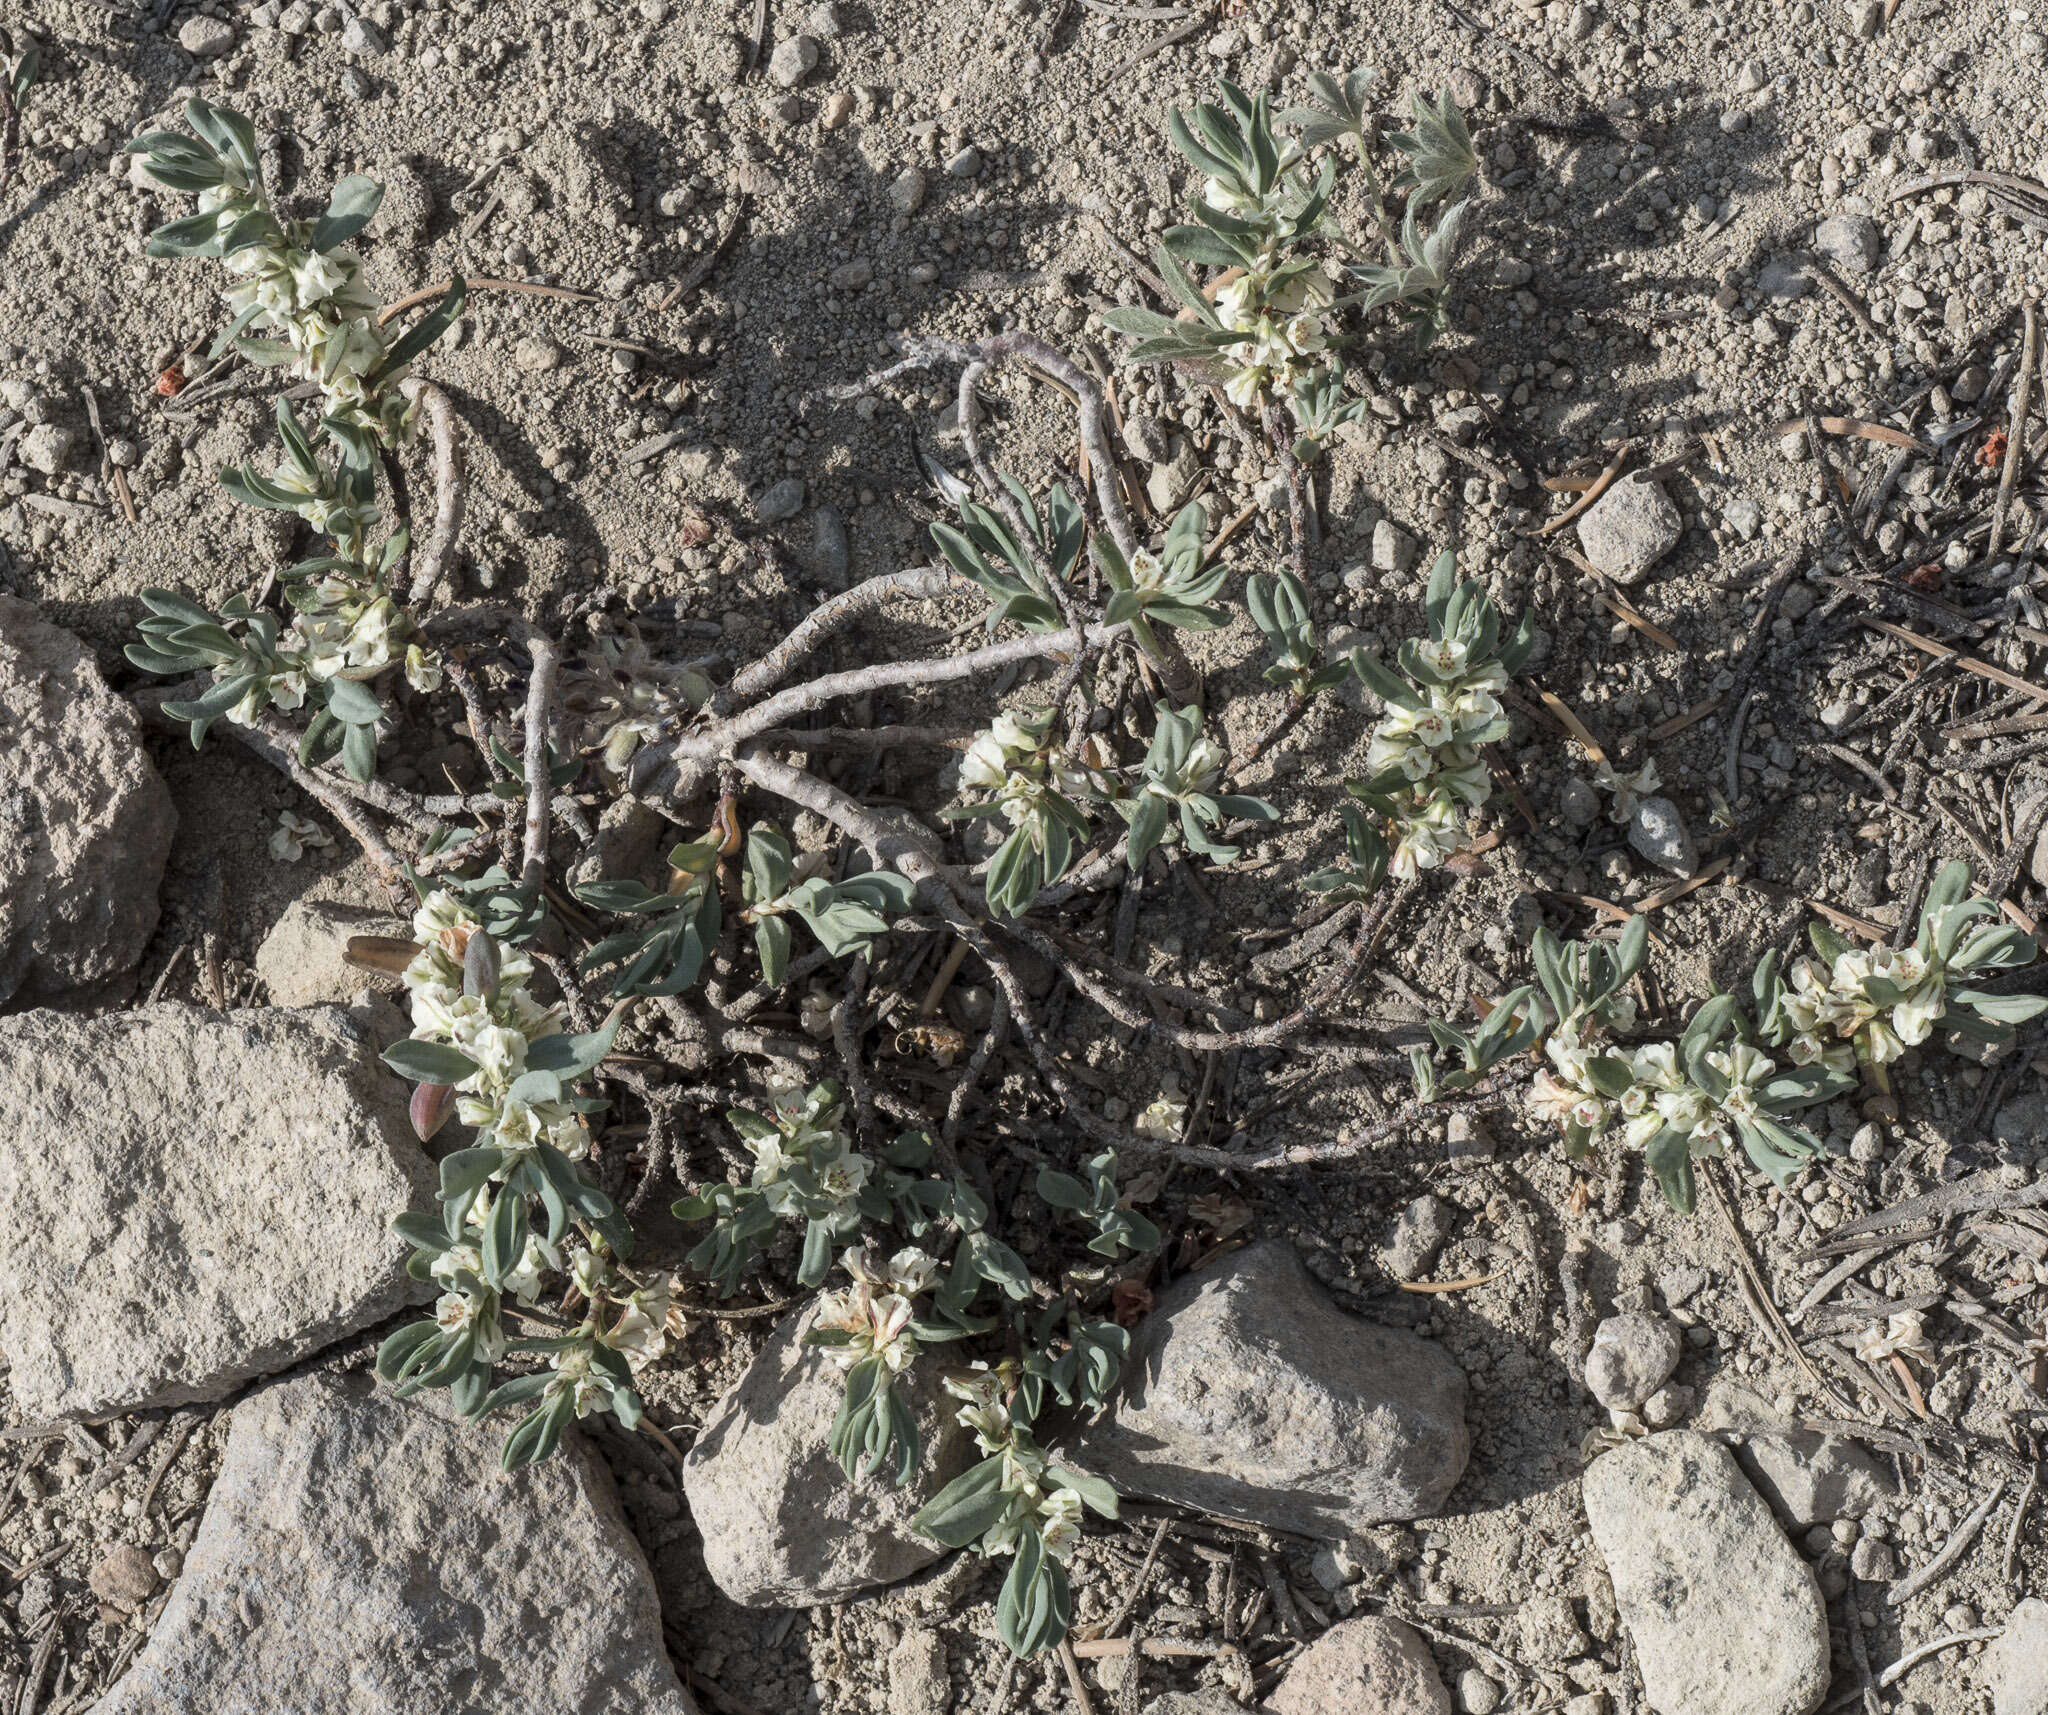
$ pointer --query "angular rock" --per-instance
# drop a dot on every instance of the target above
(1630, 528)
(1247, 1393)
(1808, 1477)
(364, 1555)
(1658, 832)
(85, 820)
(301, 960)
(125, 1576)
(1550, 1631)
(794, 59)
(906, 191)
(1724, 1614)
(1363, 1664)
(1811, 1478)
(783, 500)
(1420, 1231)
(782, 1525)
(1631, 1358)
(2016, 1664)
(1849, 242)
(198, 1198)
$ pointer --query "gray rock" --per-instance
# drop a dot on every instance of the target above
(794, 59)
(783, 500)
(1666, 1408)
(966, 164)
(205, 38)
(1873, 1561)
(918, 1682)
(47, 447)
(823, 21)
(1579, 803)
(831, 552)
(363, 39)
(1849, 243)
(1632, 1356)
(125, 1576)
(1550, 1631)
(1724, 1614)
(1361, 1664)
(782, 1526)
(851, 276)
(536, 354)
(229, 1214)
(1865, 18)
(1743, 516)
(1477, 1694)
(1630, 528)
(2016, 1664)
(906, 191)
(1148, 438)
(1659, 833)
(1393, 549)
(1809, 1477)
(1168, 483)
(1783, 278)
(1812, 1478)
(300, 961)
(1209, 1701)
(85, 820)
(1420, 1231)
(1249, 1394)
(363, 1555)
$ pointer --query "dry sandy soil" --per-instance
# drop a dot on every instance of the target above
(1653, 175)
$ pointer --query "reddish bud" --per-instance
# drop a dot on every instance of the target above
(431, 1106)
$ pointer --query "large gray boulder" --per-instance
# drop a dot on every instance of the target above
(85, 820)
(1363, 1664)
(364, 1555)
(782, 1525)
(1250, 1395)
(196, 1199)
(1724, 1614)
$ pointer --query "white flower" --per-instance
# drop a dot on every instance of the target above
(537, 1260)
(1903, 1333)
(294, 834)
(1059, 1526)
(641, 1333)
(477, 1314)
(422, 669)
(1163, 1117)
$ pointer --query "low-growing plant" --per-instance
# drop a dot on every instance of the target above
(1736, 1075)
(1443, 705)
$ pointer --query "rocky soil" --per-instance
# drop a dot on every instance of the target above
(1453, 1425)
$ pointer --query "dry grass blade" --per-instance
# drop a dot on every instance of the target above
(1968, 663)
(1857, 426)
(1599, 486)
(1573, 725)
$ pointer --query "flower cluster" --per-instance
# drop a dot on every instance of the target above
(1713, 1088)
(1424, 767)
(1038, 1498)
(1865, 1006)
(873, 1314)
(493, 1025)
(1282, 334)
(1874, 1002)
(626, 697)
(804, 1162)
(1028, 782)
